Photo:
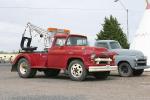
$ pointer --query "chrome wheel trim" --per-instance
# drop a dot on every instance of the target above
(76, 70)
(23, 68)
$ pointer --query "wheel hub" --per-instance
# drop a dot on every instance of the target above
(23, 67)
(124, 69)
(76, 70)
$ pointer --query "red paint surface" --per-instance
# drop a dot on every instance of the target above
(58, 56)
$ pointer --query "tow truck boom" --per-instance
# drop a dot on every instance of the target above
(47, 35)
(41, 32)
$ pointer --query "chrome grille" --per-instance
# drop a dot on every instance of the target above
(141, 62)
(103, 60)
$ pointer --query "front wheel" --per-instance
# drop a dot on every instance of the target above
(24, 69)
(101, 75)
(138, 72)
(125, 69)
(77, 71)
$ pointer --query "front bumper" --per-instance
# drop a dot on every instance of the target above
(142, 67)
(102, 68)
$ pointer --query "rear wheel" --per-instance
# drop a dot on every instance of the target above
(125, 69)
(77, 71)
(51, 72)
(138, 72)
(24, 69)
(101, 75)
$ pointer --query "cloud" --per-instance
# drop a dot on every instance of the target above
(6, 27)
(10, 34)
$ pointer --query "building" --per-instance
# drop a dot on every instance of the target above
(7, 57)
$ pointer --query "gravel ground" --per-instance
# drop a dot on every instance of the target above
(12, 87)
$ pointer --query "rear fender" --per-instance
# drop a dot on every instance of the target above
(16, 60)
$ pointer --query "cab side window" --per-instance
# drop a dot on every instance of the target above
(60, 42)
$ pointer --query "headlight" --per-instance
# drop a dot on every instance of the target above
(136, 59)
(114, 57)
(145, 57)
(93, 56)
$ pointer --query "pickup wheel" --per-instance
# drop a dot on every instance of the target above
(125, 69)
(51, 72)
(77, 71)
(24, 69)
(138, 72)
(101, 75)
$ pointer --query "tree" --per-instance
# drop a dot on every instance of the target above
(112, 31)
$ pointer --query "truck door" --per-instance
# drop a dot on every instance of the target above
(57, 54)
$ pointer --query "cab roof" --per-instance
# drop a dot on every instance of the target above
(66, 35)
(106, 41)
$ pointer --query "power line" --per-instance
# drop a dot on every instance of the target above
(55, 8)
(51, 8)
(81, 9)
(13, 7)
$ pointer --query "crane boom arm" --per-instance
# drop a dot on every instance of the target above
(40, 31)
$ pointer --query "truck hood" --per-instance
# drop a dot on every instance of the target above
(128, 52)
(96, 50)
(89, 49)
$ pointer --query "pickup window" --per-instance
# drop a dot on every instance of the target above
(115, 45)
(80, 41)
(60, 41)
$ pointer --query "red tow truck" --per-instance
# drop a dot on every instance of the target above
(68, 52)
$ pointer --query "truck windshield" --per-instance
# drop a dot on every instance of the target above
(104, 45)
(115, 45)
(76, 40)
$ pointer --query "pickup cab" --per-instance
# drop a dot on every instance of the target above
(129, 62)
(69, 52)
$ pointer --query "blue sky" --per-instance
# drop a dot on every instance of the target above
(80, 16)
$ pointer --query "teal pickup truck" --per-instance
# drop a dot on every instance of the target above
(129, 62)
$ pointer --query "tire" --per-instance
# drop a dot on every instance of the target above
(24, 69)
(51, 72)
(101, 75)
(77, 70)
(125, 70)
(138, 72)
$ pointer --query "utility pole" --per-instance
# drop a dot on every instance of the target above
(127, 11)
